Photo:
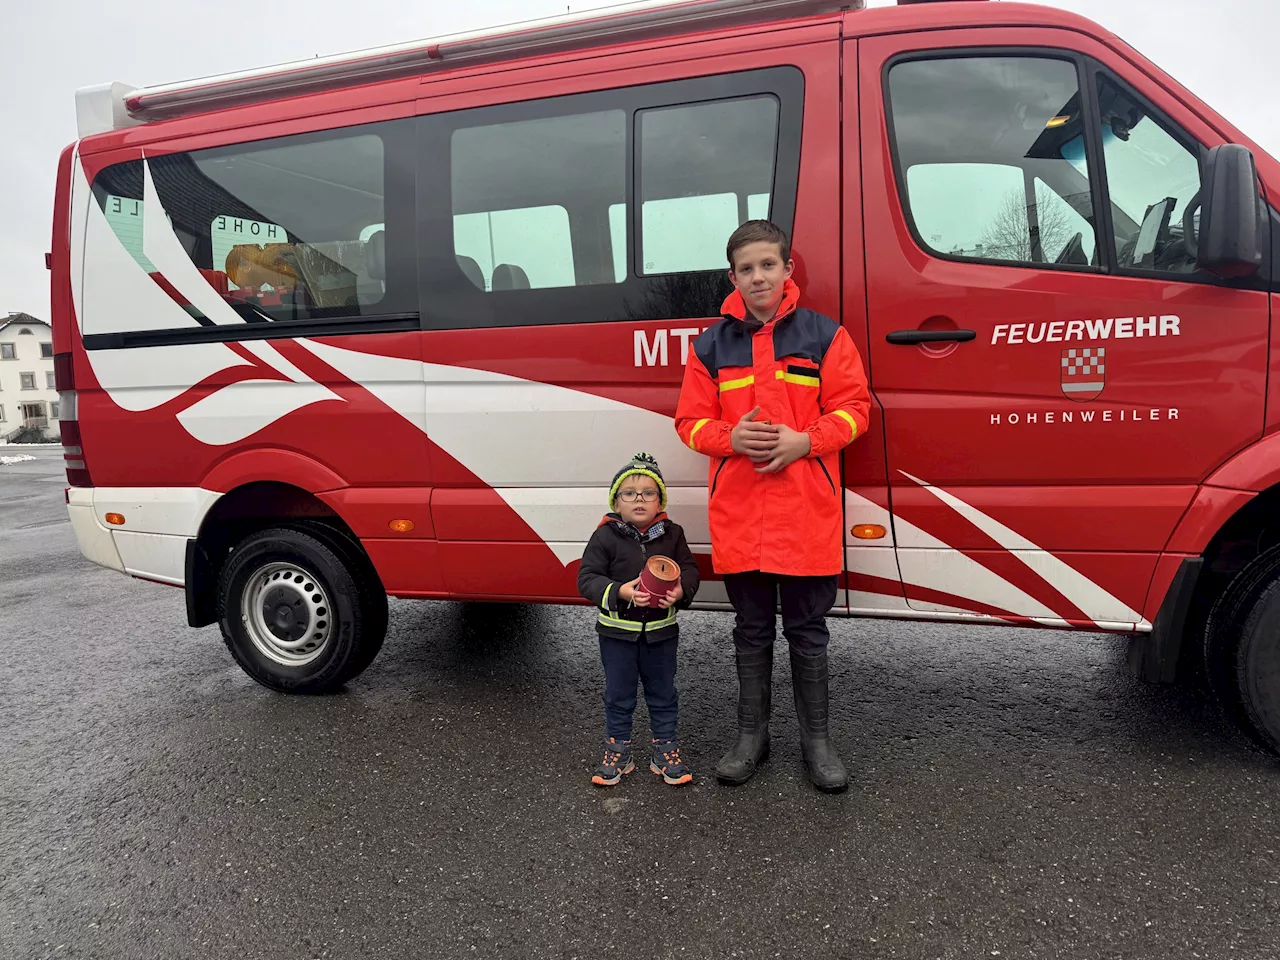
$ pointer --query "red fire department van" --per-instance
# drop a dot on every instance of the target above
(385, 323)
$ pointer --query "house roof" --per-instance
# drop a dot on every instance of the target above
(20, 318)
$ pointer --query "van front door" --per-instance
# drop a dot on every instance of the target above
(1056, 375)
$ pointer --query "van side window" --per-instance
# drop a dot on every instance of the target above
(1151, 177)
(521, 200)
(991, 161)
(278, 229)
(704, 169)
(606, 205)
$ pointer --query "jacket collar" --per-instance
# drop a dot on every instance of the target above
(735, 308)
(655, 529)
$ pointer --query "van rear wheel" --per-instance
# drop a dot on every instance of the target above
(295, 613)
(1242, 649)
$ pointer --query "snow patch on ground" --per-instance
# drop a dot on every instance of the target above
(5, 461)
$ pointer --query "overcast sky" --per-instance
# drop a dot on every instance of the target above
(1221, 49)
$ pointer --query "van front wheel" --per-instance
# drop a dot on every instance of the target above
(293, 613)
(1242, 649)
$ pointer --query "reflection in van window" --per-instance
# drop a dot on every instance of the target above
(1060, 223)
(618, 240)
(704, 169)
(536, 239)
(688, 233)
(532, 201)
(1151, 177)
(689, 248)
(278, 228)
(226, 233)
(124, 214)
(980, 142)
(958, 207)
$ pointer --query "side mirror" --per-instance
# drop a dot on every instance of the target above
(1231, 238)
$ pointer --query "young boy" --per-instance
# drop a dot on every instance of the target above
(772, 393)
(638, 631)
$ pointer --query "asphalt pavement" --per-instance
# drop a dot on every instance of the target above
(1014, 793)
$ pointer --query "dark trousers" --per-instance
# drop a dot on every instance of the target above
(653, 664)
(805, 602)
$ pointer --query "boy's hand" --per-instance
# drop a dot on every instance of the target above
(674, 596)
(754, 440)
(791, 446)
(632, 593)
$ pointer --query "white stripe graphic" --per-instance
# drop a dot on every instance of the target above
(1096, 603)
(926, 561)
(118, 295)
(146, 377)
(239, 410)
(516, 435)
(161, 246)
(277, 361)
(520, 435)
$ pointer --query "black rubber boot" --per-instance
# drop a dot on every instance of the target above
(755, 681)
(809, 679)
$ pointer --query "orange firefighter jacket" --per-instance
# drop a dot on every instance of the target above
(803, 370)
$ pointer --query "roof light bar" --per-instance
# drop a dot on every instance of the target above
(115, 105)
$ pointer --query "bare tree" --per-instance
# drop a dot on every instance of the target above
(1010, 235)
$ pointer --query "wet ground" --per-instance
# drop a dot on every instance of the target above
(1015, 793)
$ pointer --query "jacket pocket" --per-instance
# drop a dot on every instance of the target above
(826, 473)
(715, 480)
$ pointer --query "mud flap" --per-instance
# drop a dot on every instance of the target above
(201, 586)
(1154, 658)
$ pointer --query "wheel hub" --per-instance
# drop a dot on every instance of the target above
(287, 614)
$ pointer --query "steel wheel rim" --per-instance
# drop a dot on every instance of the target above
(287, 614)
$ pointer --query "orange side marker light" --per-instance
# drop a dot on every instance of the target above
(401, 526)
(115, 519)
(869, 531)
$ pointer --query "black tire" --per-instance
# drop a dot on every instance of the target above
(296, 613)
(1242, 649)
(373, 594)
(1258, 668)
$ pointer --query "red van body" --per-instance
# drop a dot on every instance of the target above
(386, 324)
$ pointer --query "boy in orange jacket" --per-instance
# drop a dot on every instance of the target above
(772, 394)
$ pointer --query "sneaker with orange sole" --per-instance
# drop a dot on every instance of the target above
(617, 762)
(667, 764)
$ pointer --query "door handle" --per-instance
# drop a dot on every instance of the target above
(930, 336)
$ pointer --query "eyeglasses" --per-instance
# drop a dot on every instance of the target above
(631, 496)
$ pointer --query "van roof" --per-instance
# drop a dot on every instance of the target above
(113, 106)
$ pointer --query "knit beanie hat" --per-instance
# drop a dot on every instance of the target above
(641, 463)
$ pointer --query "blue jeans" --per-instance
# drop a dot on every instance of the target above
(653, 664)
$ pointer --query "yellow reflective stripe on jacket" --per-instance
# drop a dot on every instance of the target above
(604, 601)
(798, 379)
(853, 424)
(635, 626)
(738, 384)
(619, 624)
(694, 432)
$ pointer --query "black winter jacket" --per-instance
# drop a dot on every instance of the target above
(615, 555)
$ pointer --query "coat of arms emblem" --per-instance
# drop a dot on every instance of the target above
(1084, 372)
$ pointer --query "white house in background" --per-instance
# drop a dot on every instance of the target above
(28, 398)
